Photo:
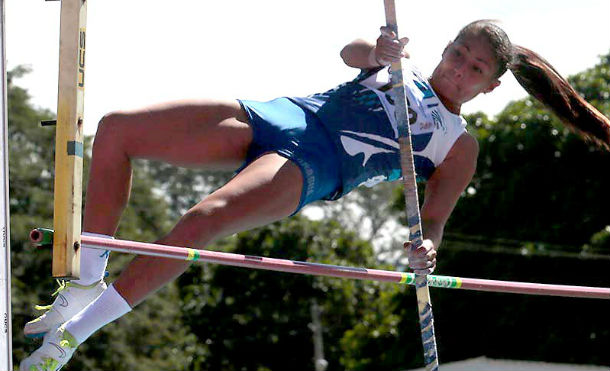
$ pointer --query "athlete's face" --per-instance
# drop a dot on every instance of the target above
(467, 69)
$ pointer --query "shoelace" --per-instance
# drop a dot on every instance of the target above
(62, 286)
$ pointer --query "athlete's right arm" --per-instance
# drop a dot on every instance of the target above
(364, 54)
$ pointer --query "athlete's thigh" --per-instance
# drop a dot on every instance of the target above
(267, 190)
(198, 133)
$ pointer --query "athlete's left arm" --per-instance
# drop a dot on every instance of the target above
(445, 186)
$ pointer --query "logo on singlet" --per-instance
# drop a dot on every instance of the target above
(355, 143)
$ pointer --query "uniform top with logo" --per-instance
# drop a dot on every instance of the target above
(360, 119)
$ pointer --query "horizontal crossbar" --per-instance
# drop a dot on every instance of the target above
(283, 265)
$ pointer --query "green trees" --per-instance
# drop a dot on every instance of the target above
(31, 185)
(259, 320)
(537, 181)
(535, 211)
(130, 345)
(212, 317)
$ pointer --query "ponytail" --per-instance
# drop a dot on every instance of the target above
(545, 84)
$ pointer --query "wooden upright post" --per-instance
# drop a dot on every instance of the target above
(69, 140)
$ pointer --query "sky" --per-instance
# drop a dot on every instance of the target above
(141, 52)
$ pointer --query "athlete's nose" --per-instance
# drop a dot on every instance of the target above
(458, 70)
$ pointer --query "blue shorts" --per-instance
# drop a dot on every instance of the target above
(283, 127)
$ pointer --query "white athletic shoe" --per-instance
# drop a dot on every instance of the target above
(56, 350)
(71, 299)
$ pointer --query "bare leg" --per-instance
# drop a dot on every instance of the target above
(204, 134)
(267, 190)
(191, 133)
(198, 134)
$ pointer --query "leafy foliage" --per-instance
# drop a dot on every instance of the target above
(156, 324)
(248, 318)
(536, 211)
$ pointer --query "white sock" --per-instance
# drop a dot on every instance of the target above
(92, 262)
(103, 310)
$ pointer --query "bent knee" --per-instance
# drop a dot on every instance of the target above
(117, 131)
(112, 127)
(203, 223)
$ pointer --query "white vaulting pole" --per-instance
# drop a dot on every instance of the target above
(424, 305)
(5, 251)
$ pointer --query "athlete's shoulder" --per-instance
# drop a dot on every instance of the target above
(466, 147)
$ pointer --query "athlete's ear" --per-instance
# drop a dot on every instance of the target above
(494, 84)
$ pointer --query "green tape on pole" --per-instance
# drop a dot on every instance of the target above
(407, 278)
(433, 281)
(192, 255)
(440, 281)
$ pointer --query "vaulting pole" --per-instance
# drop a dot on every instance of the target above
(69, 140)
(424, 304)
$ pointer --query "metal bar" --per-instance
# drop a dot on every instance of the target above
(317, 269)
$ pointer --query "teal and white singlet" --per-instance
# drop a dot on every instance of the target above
(348, 136)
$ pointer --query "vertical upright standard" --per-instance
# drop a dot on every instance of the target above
(69, 140)
(424, 305)
(5, 250)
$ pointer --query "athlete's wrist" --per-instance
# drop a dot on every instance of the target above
(374, 61)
